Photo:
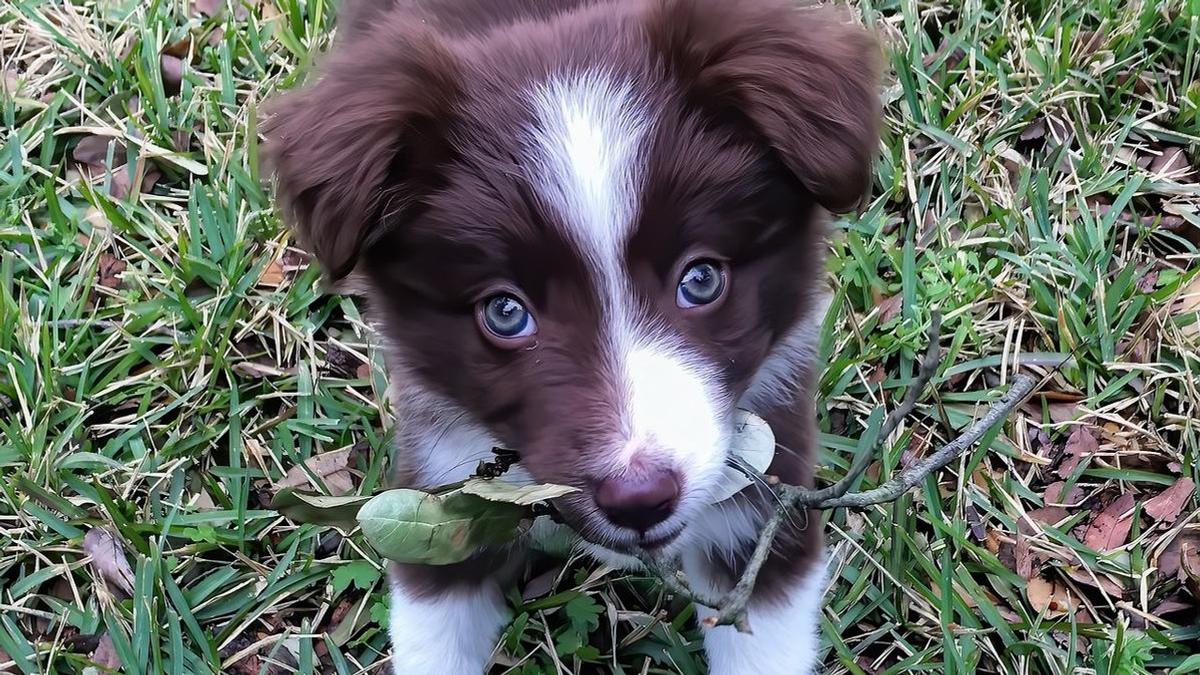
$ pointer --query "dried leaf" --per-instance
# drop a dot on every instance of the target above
(340, 361)
(121, 181)
(208, 7)
(1141, 83)
(1081, 443)
(108, 558)
(1172, 162)
(889, 308)
(1148, 282)
(1023, 558)
(1047, 597)
(172, 73)
(1168, 504)
(111, 268)
(1053, 495)
(541, 585)
(181, 48)
(105, 654)
(217, 7)
(93, 150)
(1095, 580)
(1189, 560)
(1089, 42)
(273, 275)
(1110, 528)
(1035, 130)
(1171, 559)
(332, 467)
(992, 543)
(877, 375)
(1049, 515)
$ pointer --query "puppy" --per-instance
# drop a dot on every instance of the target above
(590, 230)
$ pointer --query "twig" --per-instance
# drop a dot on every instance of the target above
(926, 369)
(731, 607)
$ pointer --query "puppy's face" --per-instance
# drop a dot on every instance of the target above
(589, 235)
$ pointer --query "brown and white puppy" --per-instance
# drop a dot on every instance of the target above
(590, 230)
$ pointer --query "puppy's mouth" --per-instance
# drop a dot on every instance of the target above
(593, 527)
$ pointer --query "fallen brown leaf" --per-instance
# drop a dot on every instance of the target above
(341, 361)
(541, 584)
(121, 181)
(1168, 504)
(273, 275)
(105, 654)
(172, 73)
(1100, 581)
(952, 60)
(1110, 528)
(93, 150)
(180, 48)
(1053, 495)
(1048, 515)
(1148, 281)
(1081, 443)
(108, 558)
(1189, 560)
(1172, 162)
(1089, 42)
(1141, 83)
(1048, 597)
(1023, 559)
(332, 467)
(877, 375)
(1035, 130)
(111, 268)
(889, 308)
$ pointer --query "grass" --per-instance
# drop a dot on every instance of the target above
(166, 358)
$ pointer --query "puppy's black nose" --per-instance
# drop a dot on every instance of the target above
(639, 500)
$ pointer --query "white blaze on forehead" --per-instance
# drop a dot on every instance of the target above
(587, 153)
(588, 136)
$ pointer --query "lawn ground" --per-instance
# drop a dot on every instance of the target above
(167, 360)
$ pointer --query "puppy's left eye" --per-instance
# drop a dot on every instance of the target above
(506, 318)
(701, 284)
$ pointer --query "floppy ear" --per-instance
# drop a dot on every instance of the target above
(348, 148)
(804, 80)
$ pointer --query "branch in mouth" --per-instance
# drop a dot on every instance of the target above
(731, 606)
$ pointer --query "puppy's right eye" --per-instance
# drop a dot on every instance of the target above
(504, 318)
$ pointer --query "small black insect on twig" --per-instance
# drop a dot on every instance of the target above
(505, 458)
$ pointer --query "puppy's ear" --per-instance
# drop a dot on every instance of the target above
(350, 148)
(804, 79)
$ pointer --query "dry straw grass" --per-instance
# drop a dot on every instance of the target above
(166, 358)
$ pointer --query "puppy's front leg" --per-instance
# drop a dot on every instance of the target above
(445, 620)
(786, 625)
(785, 610)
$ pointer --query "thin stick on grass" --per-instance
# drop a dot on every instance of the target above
(731, 607)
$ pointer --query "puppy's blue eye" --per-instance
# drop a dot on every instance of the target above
(701, 284)
(505, 317)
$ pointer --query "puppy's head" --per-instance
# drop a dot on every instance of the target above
(595, 234)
